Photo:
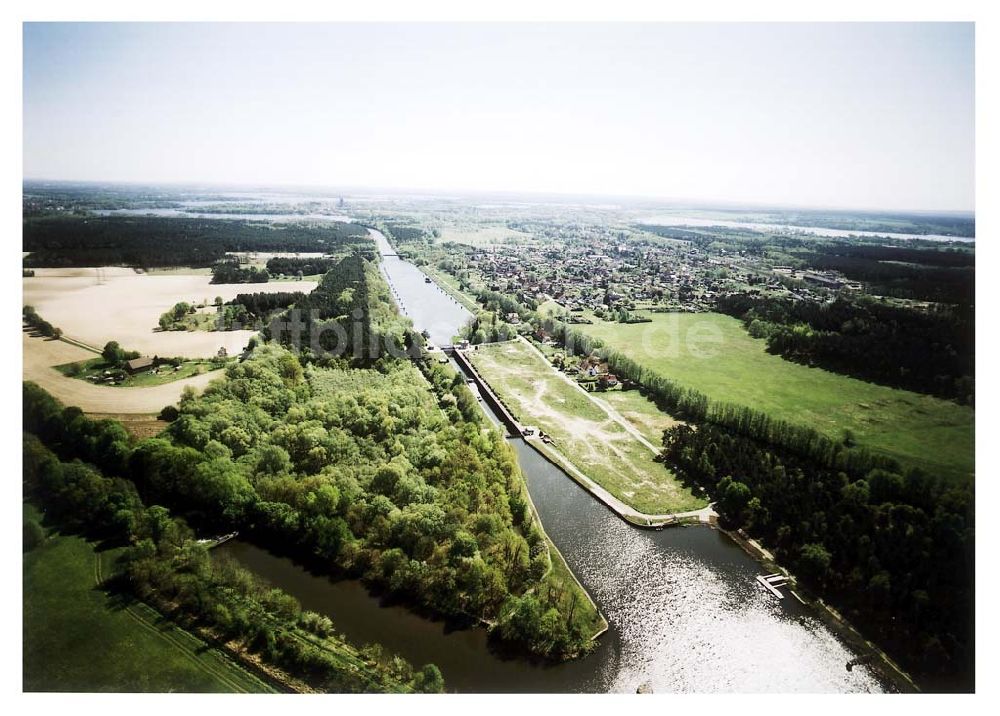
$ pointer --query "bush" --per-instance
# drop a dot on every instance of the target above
(34, 534)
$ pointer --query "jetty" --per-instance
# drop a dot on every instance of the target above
(771, 582)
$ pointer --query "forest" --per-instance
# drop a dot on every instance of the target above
(255, 309)
(165, 567)
(349, 315)
(925, 351)
(919, 274)
(230, 271)
(285, 266)
(148, 241)
(892, 550)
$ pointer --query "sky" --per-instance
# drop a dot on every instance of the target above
(877, 116)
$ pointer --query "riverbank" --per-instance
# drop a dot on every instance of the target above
(879, 661)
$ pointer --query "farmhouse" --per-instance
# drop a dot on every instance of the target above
(137, 364)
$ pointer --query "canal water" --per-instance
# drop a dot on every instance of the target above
(685, 611)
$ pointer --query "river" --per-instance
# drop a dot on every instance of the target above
(689, 221)
(685, 611)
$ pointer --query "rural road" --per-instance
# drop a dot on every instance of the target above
(40, 354)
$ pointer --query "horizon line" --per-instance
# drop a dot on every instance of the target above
(722, 204)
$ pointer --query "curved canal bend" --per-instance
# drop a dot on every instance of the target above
(685, 612)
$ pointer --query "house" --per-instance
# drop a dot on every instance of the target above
(608, 380)
(137, 364)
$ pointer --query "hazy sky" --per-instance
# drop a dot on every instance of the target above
(847, 115)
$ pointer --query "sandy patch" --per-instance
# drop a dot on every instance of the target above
(115, 304)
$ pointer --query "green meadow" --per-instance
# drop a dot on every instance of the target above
(714, 354)
(78, 638)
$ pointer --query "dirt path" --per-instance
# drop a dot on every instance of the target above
(40, 354)
(604, 405)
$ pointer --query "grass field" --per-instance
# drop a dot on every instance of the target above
(714, 354)
(84, 370)
(583, 432)
(641, 412)
(77, 639)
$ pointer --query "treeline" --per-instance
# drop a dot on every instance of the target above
(299, 266)
(893, 551)
(693, 405)
(925, 351)
(485, 327)
(915, 224)
(925, 275)
(146, 241)
(232, 272)
(31, 317)
(164, 567)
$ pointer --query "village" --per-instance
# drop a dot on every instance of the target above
(594, 270)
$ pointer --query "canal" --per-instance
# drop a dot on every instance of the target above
(685, 612)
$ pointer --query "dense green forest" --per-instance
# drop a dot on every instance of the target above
(402, 233)
(230, 271)
(284, 266)
(165, 567)
(255, 309)
(944, 276)
(924, 351)
(350, 315)
(893, 550)
(145, 241)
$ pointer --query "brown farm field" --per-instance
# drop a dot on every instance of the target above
(125, 306)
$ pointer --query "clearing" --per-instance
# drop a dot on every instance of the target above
(585, 432)
(714, 354)
(42, 354)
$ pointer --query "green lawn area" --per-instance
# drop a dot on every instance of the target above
(584, 432)
(76, 638)
(713, 353)
(84, 370)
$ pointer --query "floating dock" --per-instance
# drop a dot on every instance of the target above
(771, 582)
